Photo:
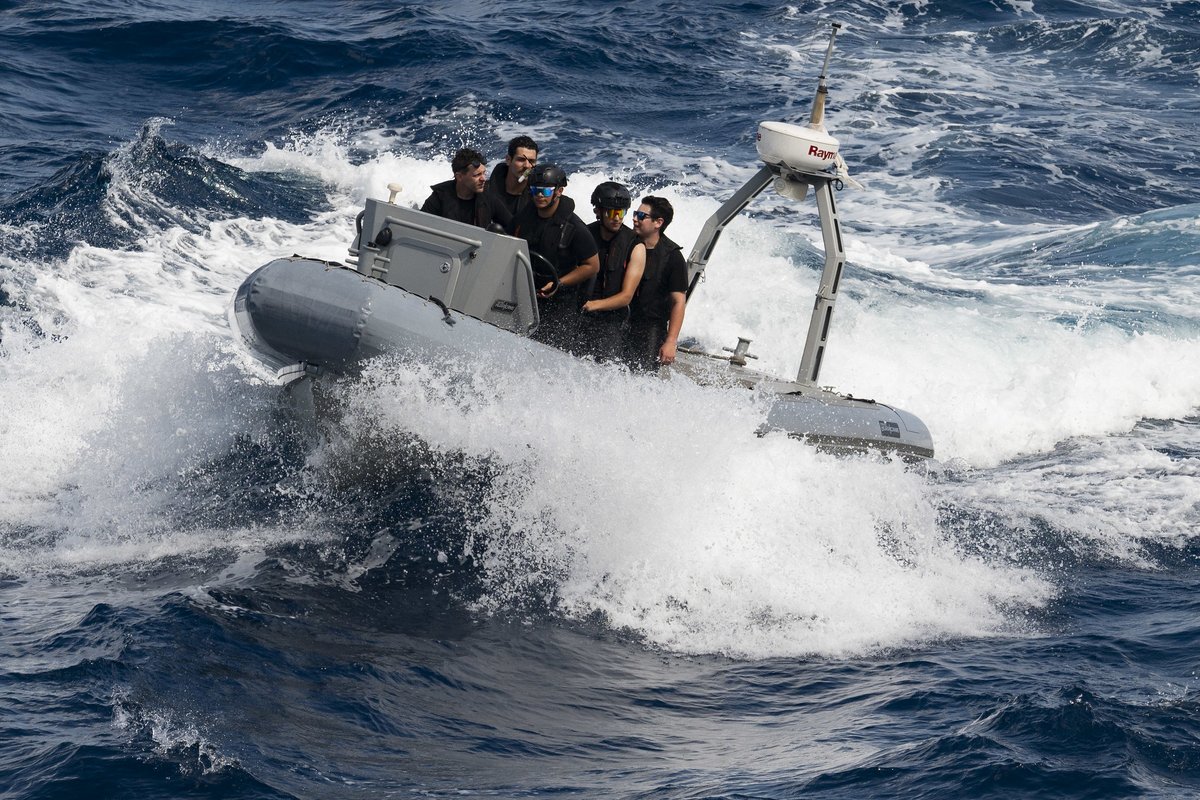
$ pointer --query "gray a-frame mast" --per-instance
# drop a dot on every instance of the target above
(794, 184)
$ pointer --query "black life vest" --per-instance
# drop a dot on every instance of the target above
(612, 270)
(485, 214)
(498, 186)
(557, 232)
(650, 302)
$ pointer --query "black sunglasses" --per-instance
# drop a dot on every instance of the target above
(641, 215)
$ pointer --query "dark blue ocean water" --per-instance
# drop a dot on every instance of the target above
(476, 582)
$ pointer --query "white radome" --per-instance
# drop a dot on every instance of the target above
(797, 147)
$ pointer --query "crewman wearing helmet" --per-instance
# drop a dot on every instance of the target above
(622, 260)
(558, 236)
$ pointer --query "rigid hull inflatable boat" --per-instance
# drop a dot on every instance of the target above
(433, 289)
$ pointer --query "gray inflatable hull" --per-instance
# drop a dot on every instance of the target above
(301, 316)
(327, 317)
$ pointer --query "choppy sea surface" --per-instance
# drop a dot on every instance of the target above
(470, 582)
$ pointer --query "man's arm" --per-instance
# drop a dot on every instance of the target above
(584, 253)
(633, 276)
(433, 204)
(677, 297)
(576, 276)
(666, 353)
(582, 273)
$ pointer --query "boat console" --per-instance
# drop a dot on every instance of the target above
(480, 273)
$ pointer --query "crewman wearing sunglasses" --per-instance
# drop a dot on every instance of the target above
(622, 259)
(556, 235)
(657, 311)
(464, 197)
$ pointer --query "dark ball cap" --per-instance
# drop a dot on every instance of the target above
(611, 194)
(547, 175)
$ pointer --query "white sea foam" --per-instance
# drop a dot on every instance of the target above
(102, 435)
(655, 504)
(175, 740)
(1095, 492)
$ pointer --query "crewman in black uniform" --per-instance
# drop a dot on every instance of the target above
(622, 256)
(658, 308)
(508, 181)
(464, 197)
(563, 254)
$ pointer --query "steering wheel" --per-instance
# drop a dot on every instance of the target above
(543, 271)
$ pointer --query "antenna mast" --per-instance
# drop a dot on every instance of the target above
(817, 119)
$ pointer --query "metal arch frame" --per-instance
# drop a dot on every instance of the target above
(831, 274)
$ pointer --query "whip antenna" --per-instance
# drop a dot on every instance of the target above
(818, 110)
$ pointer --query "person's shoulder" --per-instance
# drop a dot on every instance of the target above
(433, 203)
(566, 207)
(495, 207)
(676, 264)
(528, 212)
(584, 239)
(496, 183)
(578, 222)
(525, 219)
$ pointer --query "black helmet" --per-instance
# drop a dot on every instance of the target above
(611, 194)
(547, 175)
